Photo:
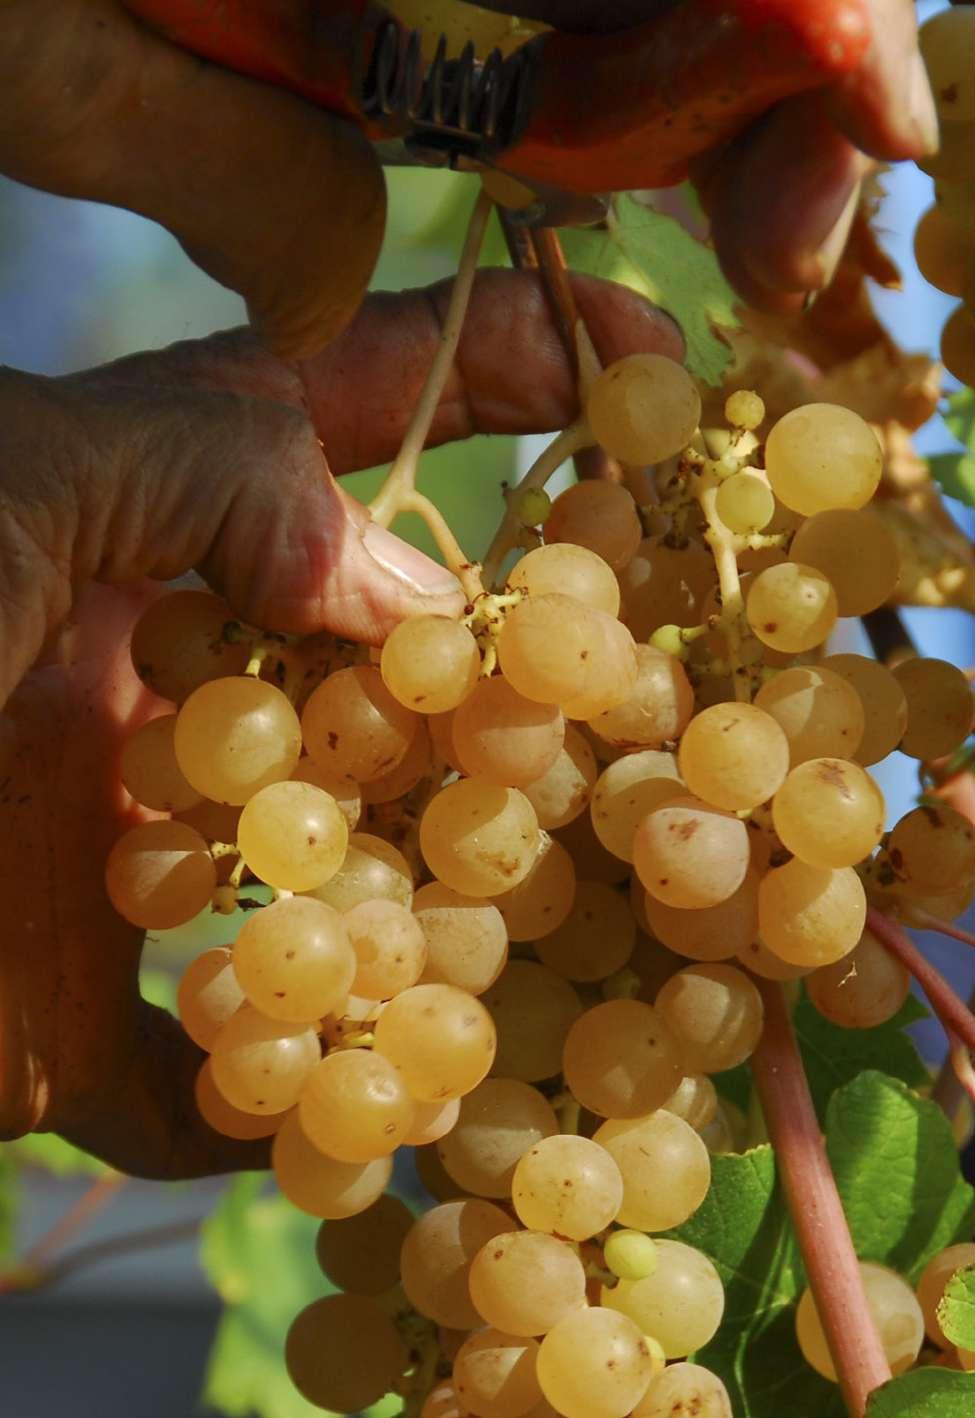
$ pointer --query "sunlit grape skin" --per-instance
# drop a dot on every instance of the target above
(863, 989)
(829, 812)
(319, 1185)
(561, 793)
(442, 1039)
(884, 704)
(209, 993)
(353, 727)
(436, 1258)
(569, 570)
(160, 874)
(355, 1106)
(494, 1374)
(260, 1065)
(733, 756)
(896, 1314)
(524, 1282)
(294, 961)
(594, 1364)
(235, 736)
(598, 515)
(819, 712)
(430, 664)
(478, 838)
(685, 1388)
(224, 1118)
(568, 1186)
(389, 947)
(791, 608)
(293, 836)
(643, 408)
(465, 937)
(681, 1304)
(620, 1059)
(645, 1149)
(811, 916)
(500, 1120)
(820, 456)
(715, 1013)
(504, 738)
(150, 772)
(689, 854)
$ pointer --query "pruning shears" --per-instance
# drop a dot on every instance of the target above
(579, 113)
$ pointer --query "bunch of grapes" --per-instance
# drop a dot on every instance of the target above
(595, 809)
(944, 243)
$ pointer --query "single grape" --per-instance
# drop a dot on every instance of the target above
(542, 901)
(320, 1185)
(430, 664)
(830, 813)
(478, 838)
(569, 570)
(227, 1120)
(646, 1149)
(441, 1038)
(855, 552)
(360, 1253)
(709, 933)
(681, 1304)
(504, 738)
(568, 1186)
(630, 1255)
(744, 409)
(533, 1010)
(294, 960)
(534, 505)
(611, 672)
(594, 1364)
(208, 995)
(436, 1257)
(695, 1099)
(466, 939)
(744, 502)
(933, 847)
(494, 1375)
(293, 836)
(594, 940)
(931, 1286)
(600, 516)
(643, 408)
(939, 707)
(716, 1015)
(884, 704)
(733, 756)
(372, 870)
(554, 649)
(389, 947)
(811, 916)
(160, 875)
(864, 989)
(184, 639)
(260, 1065)
(235, 736)
(820, 456)
(947, 44)
(688, 854)
(149, 770)
(355, 1106)
(524, 1282)
(791, 608)
(685, 1389)
(820, 712)
(343, 1353)
(626, 792)
(354, 728)
(564, 790)
(499, 1121)
(657, 709)
(413, 766)
(895, 1311)
(621, 1060)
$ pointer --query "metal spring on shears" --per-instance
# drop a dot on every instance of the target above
(463, 106)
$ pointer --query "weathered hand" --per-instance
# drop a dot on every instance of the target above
(204, 457)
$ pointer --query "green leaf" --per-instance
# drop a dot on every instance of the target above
(896, 1167)
(9, 1201)
(55, 1155)
(925, 1393)
(960, 416)
(955, 473)
(835, 1056)
(654, 255)
(158, 987)
(744, 1227)
(956, 1308)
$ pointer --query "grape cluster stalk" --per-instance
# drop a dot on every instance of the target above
(539, 873)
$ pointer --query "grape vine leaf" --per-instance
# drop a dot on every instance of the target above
(955, 471)
(259, 1252)
(834, 1056)
(956, 1308)
(653, 254)
(56, 1155)
(925, 1393)
(896, 1167)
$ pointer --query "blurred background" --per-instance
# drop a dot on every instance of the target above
(125, 1333)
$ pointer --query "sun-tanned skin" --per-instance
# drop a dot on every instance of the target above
(207, 457)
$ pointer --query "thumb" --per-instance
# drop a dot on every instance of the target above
(273, 197)
(117, 484)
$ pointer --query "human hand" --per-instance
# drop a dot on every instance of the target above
(201, 457)
(781, 197)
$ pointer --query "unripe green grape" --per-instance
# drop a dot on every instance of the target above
(670, 640)
(744, 409)
(643, 408)
(630, 1255)
(744, 503)
(534, 505)
(819, 456)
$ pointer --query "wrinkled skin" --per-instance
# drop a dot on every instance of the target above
(207, 456)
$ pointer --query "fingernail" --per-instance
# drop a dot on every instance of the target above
(414, 568)
(829, 254)
(921, 106)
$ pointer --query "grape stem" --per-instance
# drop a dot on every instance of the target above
(569, 441)
(948, 928)
(951, 1009)
(815, 1206)
(724, 549)
(398, 492)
